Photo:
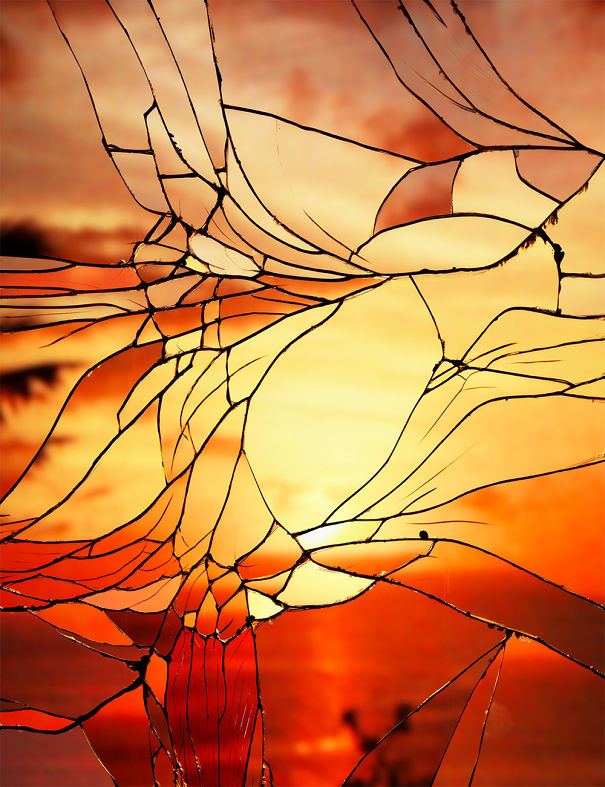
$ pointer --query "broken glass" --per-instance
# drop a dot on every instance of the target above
(312, 510)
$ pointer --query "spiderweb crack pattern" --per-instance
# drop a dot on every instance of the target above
(264, 249)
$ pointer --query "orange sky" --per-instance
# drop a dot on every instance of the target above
(283, 57)
(56, 175)
(325, 454)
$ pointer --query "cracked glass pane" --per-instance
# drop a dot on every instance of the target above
(302, 393)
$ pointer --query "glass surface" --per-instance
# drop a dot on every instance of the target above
(302, 393)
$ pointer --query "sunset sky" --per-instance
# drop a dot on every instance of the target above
(274, 57)
(283, 56)
(330, 412)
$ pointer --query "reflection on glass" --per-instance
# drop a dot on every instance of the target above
(356, 379)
